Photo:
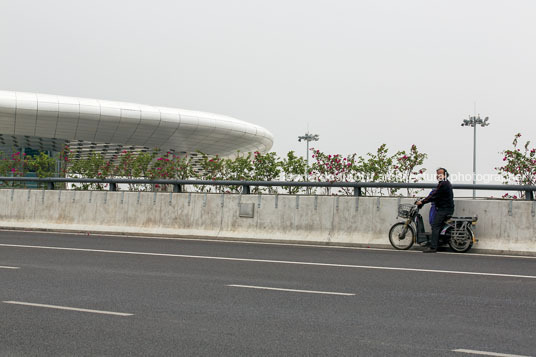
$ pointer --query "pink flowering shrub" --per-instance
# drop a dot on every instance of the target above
(19, 164)
(380, 166)
(374, 167)
(519, 166)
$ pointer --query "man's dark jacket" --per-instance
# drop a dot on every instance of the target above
(443, 196)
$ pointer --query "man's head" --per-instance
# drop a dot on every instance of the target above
(442, 174)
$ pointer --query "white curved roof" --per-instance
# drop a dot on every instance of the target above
(101, 121)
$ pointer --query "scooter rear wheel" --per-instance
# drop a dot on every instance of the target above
(462, 245)
(397, 240)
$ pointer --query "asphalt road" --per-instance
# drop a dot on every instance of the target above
(166, 297)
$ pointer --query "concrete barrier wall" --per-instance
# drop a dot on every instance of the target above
(503, 226)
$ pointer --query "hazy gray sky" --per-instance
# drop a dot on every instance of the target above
(358, 73)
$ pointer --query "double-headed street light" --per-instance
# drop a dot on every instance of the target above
(474, 122)
(308, 138)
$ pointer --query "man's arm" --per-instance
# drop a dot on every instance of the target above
(433, 195)
(420, 202)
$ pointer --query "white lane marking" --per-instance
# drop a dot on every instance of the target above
(7, 267)
(223, 240)
(269, 261)
(291, 290)
(485, 353)
(67, 308)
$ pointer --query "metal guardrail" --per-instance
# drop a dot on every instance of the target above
(246, 185)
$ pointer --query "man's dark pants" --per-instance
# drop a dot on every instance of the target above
(439, 219)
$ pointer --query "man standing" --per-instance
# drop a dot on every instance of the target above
(443, 198)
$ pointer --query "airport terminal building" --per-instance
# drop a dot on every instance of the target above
(42, 122)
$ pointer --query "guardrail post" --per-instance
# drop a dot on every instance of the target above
(113, 186)
(177, 188)
(529, 195)
(50, 185)
(245, 190)
(357, 192)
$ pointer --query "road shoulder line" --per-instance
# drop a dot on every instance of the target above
(269, 261)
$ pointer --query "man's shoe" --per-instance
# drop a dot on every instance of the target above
(429, 250)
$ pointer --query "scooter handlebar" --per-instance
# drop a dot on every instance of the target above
(419, 206)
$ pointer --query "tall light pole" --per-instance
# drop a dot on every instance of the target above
(308, 138)
(474, 122)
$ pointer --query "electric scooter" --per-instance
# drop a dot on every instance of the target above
(457, 232)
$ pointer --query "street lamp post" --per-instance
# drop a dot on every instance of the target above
(308, 138)
(473, 122)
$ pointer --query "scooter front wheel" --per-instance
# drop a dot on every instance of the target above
(401, 236)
